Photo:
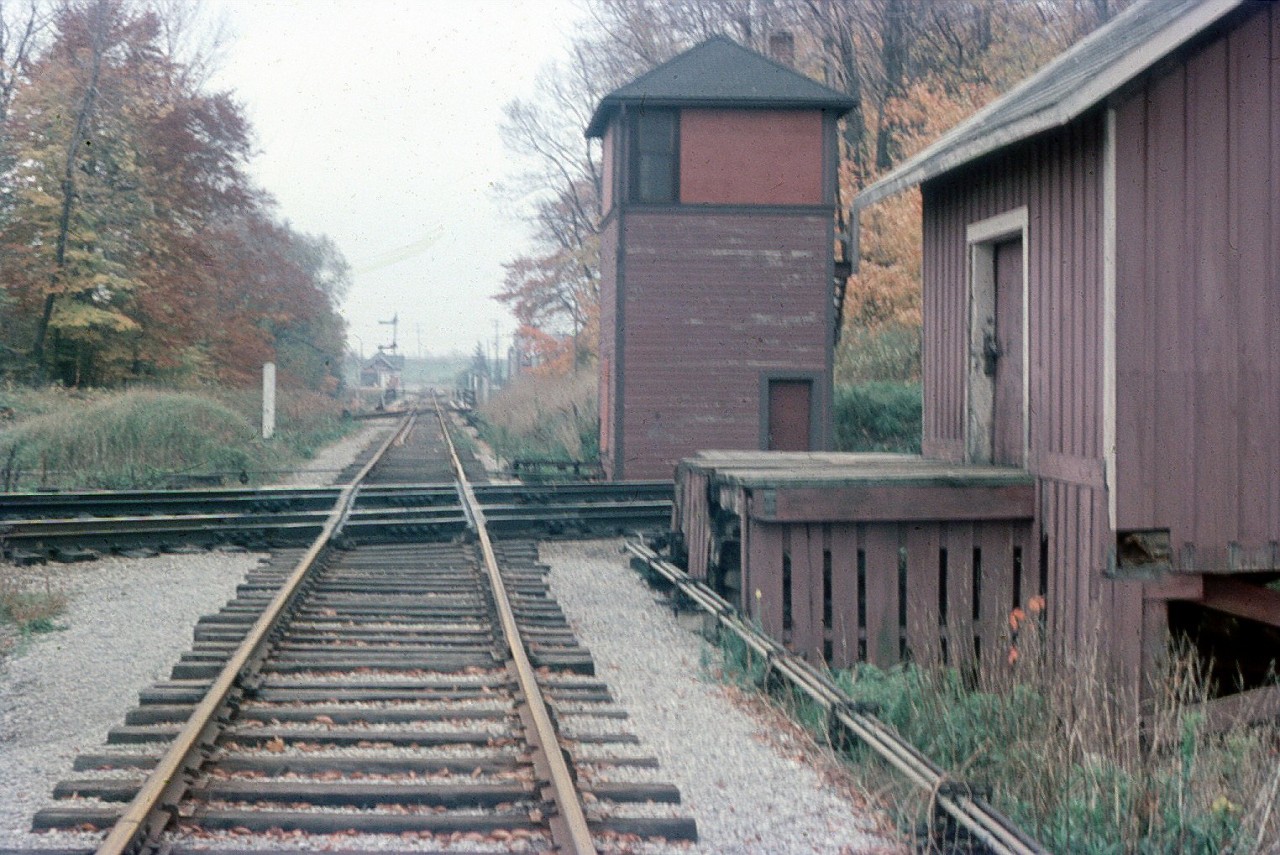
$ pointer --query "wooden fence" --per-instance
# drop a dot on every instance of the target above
(884, 592)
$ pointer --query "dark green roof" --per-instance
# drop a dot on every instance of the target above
(720, 73)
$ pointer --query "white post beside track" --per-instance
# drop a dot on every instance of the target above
(268, 400)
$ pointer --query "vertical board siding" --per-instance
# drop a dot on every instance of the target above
(1197, 309)
(736, 296)
(887, 547)
(1058, 177)
(880, 548)
(692, 516)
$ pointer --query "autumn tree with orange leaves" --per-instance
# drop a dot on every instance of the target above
(132, 243)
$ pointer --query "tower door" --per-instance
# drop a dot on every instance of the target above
(790, 415)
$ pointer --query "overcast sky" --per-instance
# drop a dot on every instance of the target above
(377, 124)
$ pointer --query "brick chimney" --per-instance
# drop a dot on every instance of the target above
(782, 47)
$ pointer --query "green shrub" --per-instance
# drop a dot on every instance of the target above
(879, 416)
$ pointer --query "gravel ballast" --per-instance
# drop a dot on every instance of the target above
(329, 462)
(749, 780)
(126, 623)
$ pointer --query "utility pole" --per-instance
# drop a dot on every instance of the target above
(497, 354)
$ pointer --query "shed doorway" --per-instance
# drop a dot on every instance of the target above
(997, 389)
(790, 415)
(1007, 429)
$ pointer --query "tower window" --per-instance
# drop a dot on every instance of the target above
(654, 160)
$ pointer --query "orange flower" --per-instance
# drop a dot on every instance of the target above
(1016, 617)
(1013, 655)
(1035, 605)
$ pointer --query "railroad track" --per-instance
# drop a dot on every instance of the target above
(36, 527)
(431, 691)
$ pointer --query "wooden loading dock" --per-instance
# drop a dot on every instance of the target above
(862, 557)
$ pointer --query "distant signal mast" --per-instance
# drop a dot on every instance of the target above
(394, 323)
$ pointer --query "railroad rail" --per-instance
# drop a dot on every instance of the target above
(125, 503)
(38, 527)
(957, 802)
(370, 690)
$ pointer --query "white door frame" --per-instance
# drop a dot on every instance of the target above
(981, 238)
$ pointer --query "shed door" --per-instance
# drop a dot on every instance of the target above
(1009, 420)
(789, 414)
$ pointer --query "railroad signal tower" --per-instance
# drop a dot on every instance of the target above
(718, 270)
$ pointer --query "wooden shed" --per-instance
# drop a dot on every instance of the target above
(718, 267)
(1101, 302)
(1101, 307)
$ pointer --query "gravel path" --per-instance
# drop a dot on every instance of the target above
(751, 780)
(127, 622)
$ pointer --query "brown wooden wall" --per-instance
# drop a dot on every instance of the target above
(834, 591)
(1198, 301)
(751, 157)
(1058, 178)
(714, 301)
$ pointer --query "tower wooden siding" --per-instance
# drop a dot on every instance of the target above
(1198, 302)
(1058, 178)
(752, 157)
(715, 302)
(717, 259)
(609, 361)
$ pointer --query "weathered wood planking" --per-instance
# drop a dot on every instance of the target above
(1198, 159)
(831, 582)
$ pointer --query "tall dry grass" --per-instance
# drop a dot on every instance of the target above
(130, 440)
(1083, 765)
(1067, 756)
(148, 438)
(544, 417)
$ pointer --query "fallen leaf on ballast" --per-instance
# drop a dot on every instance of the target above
(275, 745)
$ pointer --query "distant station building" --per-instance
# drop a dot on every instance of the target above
(718, 268)
(382, 371)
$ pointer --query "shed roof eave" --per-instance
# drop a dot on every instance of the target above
(912, 173)
(961, 145)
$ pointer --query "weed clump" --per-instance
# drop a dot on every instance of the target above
(28, 604)
(1078, 765)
